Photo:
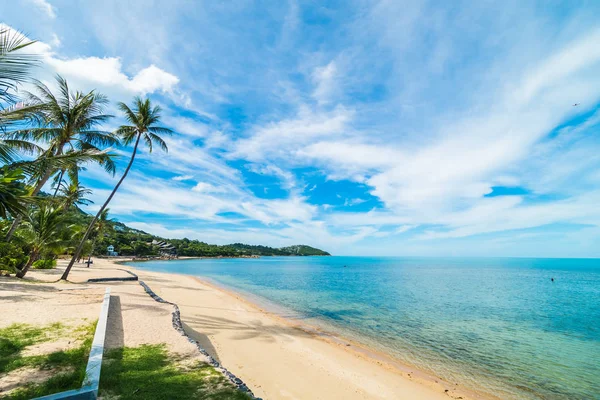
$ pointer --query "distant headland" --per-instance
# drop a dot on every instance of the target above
(126, 241)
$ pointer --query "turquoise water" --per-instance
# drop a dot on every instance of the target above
(500, 325)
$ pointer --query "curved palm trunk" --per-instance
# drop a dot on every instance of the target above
(77, 253)
(19, 218)
(34, 255)
(62, 174)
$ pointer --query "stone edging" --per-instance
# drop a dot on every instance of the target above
(178, 326)
(123, 279)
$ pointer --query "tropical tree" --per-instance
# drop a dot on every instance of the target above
(67, 122)
(10, 148)
(15, 64)
(72, 173)
(13, 193)
(143, 122)
(74, 193)
(44, 231)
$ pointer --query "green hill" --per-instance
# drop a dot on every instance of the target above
(297, 250)
(128, 241)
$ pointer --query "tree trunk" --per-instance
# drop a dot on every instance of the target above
(19, 218)
(62, 174)
(34, 255)
(91, 251)
(65, 275)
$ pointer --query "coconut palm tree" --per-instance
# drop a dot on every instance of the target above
(44, 232)
(13, 193)
(143, 120)
(15, 64)
(66, 122)
(74, 193)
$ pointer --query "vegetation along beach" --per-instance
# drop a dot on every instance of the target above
(300, 200)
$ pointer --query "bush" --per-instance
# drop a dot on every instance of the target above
(12, 257)
(125, 250)
(44, 264)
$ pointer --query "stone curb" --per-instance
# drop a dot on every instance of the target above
(178, 326)
(125, 279)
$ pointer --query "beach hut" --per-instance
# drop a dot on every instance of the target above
(110, 250)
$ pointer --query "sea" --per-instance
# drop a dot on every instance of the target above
(516, 328)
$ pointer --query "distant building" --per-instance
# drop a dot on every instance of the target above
(164, 248)
(110, 250)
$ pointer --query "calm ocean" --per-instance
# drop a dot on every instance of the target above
(500, 324)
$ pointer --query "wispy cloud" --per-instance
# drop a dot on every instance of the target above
(183, 178)
(46, 7)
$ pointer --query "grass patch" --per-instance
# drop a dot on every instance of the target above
(149, 372)
(58, 383)
(71, 362)
(16, 337)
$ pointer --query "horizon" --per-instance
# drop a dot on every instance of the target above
(396, 129)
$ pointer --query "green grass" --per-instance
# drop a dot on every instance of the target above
(149, 372)
(16, 337)
(145, 372)
(70, 364)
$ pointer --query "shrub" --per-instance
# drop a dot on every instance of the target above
(12, 257)
(44, 264)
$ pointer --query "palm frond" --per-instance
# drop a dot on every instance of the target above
(67, 161)
(158, 140)
(143, 118)
(129, 114)
(15, 64)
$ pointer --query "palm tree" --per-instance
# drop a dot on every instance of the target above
(101, 225)
(143, 120)
(44, 232)
(13, 193)
(74, 193)
(14, 63)
(15, 66)
(72, 173)
(66, 122)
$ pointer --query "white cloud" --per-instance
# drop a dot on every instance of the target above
(284, 138)
(203, 187)
(551, 74)
(324, 79)
(183, 178)
(403, 228)
(188, 126)
(287, 178)
(46, 7)
(55, 42)
(353, 202)
(103, 73)
(187, 158)
(108, 72)
(203, 202)
(151, 79)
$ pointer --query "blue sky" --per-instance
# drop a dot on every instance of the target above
(360, 127)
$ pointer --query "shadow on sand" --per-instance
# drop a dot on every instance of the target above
(114, 324)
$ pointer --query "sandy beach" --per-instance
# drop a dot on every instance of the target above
(275, 357)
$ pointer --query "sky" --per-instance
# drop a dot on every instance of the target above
(396, 128)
